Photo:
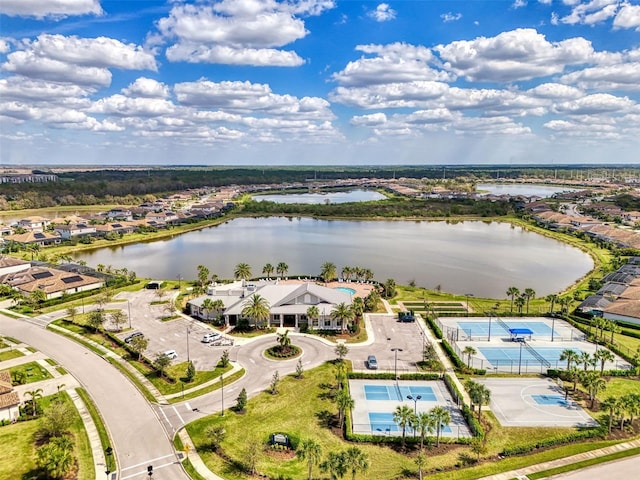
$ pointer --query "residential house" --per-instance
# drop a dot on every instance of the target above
(627, 311)
(162, 218)
(74, 230)
(34, 238)
(9, 399)
(35, 223)
(54, 283)
(122, 227)
(120, 214)
(9, 265)
(288, 303)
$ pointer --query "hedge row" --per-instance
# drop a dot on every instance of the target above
(453, 388)
(472, 421)
(391, 376)
(553, 441)
(434, 328)
(455, 359)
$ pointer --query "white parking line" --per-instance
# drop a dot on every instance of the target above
(144, 472)
(176, 410)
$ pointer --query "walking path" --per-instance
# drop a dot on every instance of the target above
(522, 473)
(195, 459)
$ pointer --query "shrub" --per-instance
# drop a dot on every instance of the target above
(391, 376)
(436, 330)
(455, 359)
(552, 441)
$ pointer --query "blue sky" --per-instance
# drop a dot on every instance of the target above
(253, 82)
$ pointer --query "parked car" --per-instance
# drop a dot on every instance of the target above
(372, 362)
(211, 337)
(171, 354)
(129, 338)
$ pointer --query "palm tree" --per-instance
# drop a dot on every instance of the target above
(529, 294)
(423, 424)
(282, 269)
(552, 300)
(346, 273)
(632, 405)
(586, 359)
(207, 307)
(468, 351)
(203, 275)
(312, 314)
(367, 274)
(512, 292)
(603, 355)
(327, 272)
(357, 460)
(242, 271)
(570, 356)
(520, 302)
(284, 341)
(403, 416)
(344, 402)
(335, 464)
(343, 314)
(441, 418)
(565, 302)
(256, 308)
(593, 383)
(35, 395)
(267, 270)
(479, 394)
(612, 406)
(421, 462)
(311, 451)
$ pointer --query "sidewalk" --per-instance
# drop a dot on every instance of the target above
(195, 459)
(522, 473)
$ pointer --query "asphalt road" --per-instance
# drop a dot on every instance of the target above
(138, 437)
(622, 469)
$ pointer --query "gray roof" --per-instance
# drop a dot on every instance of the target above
(612, 288)
(597, 302)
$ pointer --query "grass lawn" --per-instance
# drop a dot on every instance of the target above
(9, 354)
(618, 387)
(19, 448)
(177, 371)
(586, 463)
(32, 371)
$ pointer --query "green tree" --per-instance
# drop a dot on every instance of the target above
(56, 457)
(190, 372)
(203, 275)
(207, 307)
(520, 302)
(139, 345)
(344, 402)
(389, 288)
(571, 356)
(161, 363)
(402, 416)
(275, 380)
(267, 270)
(593, 383)
(284, 341)
(216, 435)
(552, 301)
(343, 314)
(603, 355)
(312, 314)
(299, 369)
(529, 294)
(311, 451)
(469, 351)
(612, 406)
(242, 271)
(71, 313)
(241, 401)
(587, 360)
(341, 351)
(512, 292)
(423, 424)
(282, 269)
(479, 447)
(35, 395)
(224, 359)
(335, 465)
(372, 300)
(441, 418)
(36, 298)
(357, 460)
(421, 463)
(56, 419)
(95, 319)
(252, 455)
(118, 318)
(479, 394)
(256, 308)
(327, 272)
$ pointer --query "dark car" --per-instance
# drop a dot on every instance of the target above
(372, 363)
(129, 338)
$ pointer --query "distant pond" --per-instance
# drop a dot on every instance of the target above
(323, 197)
(479, 258)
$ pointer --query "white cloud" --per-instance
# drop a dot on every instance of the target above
(620, 76)
(450, 17)
(146, 87)
(393, 95)
(239, 32)
(382, 13)
(4, 46)
(120, 105)
(591, 12)
(371, 120)
(38, 92)
(595, 104)
(520, 54)
(50, 8)
(628, 17)
(519, 4)
(555, 91)
(394, 63)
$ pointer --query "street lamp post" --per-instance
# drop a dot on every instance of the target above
(415, 402)
(520, 360)
(490, 315)
(395, 367)
(129, 309)
(188, 331)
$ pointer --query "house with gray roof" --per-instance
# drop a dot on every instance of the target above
(288, 303)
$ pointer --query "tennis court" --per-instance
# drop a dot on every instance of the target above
(502, 355)
(376, 400)
(481, 329)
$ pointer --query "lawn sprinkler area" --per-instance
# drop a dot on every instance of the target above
(529, 402)
(516, 345)
(376, 400)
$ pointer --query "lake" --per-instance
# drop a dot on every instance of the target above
(480, 258)
(323, 197)
(526, 189)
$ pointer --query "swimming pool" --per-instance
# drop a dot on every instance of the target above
(398, 393)
(348, 290)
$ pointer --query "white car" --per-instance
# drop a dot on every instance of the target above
(171, 354)
(211, 337)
